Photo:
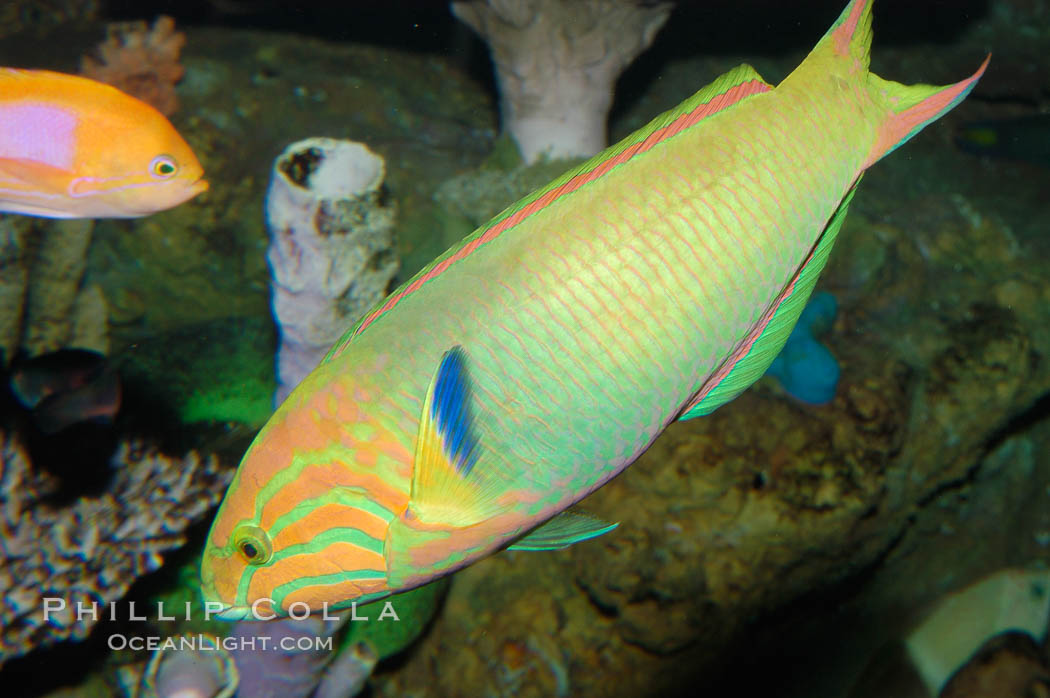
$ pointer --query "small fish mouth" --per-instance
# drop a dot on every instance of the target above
(199, 186)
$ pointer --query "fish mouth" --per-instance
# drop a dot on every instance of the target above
(199, 186)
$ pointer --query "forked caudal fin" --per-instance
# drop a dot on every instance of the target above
(912, 107)
(908, 108)
(850, 35)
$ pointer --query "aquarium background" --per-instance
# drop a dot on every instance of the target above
(775, 547)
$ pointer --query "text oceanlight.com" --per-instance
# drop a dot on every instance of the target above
(207, 643)
(57, 611)
(297, 611)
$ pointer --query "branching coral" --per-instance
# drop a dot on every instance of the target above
(557, 61)
(141, 61)
(93, 549)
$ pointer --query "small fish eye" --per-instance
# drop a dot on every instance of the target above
(163, 166)
(253, 544)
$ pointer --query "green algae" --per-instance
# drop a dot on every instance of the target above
(219, 371)
(386, 637)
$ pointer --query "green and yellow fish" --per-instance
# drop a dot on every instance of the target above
(541, 356)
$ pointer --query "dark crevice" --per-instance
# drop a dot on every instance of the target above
(1019, 424)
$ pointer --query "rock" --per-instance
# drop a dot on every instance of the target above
(1010, 665)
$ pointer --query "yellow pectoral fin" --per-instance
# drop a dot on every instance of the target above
(450, 485)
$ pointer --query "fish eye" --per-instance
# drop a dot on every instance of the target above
(252, 544)
(163, 166)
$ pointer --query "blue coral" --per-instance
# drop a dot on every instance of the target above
(805, 367)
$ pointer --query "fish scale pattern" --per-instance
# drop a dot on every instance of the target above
(654, 282)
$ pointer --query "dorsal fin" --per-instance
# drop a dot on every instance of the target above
(725, 91)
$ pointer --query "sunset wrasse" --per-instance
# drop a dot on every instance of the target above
(542, 355)
(71, 147)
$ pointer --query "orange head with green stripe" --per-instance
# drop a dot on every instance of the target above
(528, 365)
(299, 527)
(284, 524)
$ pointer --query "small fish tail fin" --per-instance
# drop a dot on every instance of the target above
(912, 108)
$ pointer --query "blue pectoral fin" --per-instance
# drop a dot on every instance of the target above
(570, 526)
(447, 488)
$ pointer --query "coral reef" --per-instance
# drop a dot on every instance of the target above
(140, 60)
(332, 248)
(245, 97)
(948, 641)
(556, 63)
(93, 549)
(44, 303)
(55, 279)
(786, 502)
(1024, 138)
(218, 371)
(480, 194)
(414, 608)
(14, 277)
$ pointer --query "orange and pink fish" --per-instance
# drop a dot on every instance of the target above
(71, 147)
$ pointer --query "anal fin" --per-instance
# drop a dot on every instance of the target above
(570, 526)
(751, 362)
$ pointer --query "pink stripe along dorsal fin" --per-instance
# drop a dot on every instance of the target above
(725, 92)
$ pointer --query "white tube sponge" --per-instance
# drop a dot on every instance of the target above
(556, 63)
(332, 248)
